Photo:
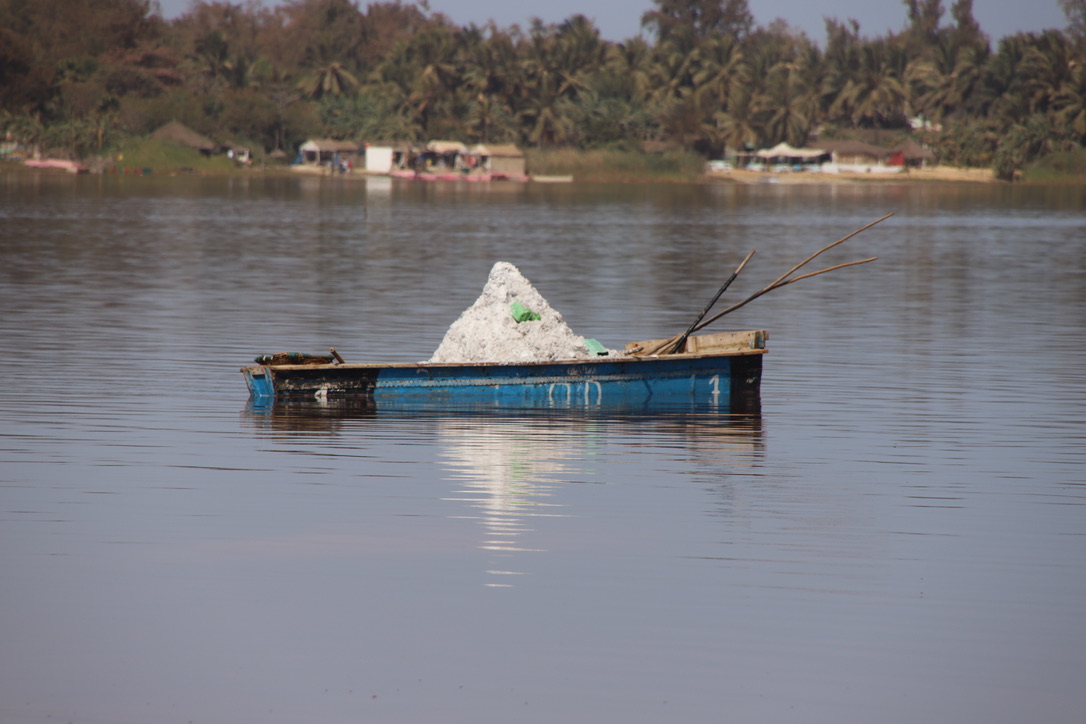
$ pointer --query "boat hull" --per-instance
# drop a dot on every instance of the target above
(728, 381)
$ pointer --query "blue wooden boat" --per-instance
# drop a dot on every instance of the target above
(722, 370)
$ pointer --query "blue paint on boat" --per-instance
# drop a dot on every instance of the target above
(260, 383)
(728, 380)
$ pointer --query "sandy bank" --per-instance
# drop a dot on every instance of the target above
(935, 173)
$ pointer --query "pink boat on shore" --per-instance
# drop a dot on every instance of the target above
(56, 163)
(471, 177)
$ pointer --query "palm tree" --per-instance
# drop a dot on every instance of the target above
(737, 125)
(245, 70)
(840, 60)
(628, 65)
(683, 117)
(578, 52)
(944, 86)
(545, 112)
(550, 79)
(607, 120)
(488, 119)
(490, 77)
(789, 104)
(1026, 141)
(687, 22)
(213, 58)
(1046, 67)
(672, 76)
(1070, 103)
(1002, 96)
(550, 53)
(722, 66)
(1075, 12)
(331, 79)
(876, 94)
(424, 74)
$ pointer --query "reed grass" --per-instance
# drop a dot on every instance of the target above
(616, 166)
(142, 154)
(1065, 167)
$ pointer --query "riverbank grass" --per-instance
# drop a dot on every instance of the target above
(150, 155)
(1059, 168)
(616, 166)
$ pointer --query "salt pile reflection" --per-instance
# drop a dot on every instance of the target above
(509, 473)
(517, 473)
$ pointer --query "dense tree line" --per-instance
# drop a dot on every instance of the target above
(80, 75)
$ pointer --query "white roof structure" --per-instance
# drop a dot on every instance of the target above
(328, 145)
(446, 147)
(784, 150)
(507, 150)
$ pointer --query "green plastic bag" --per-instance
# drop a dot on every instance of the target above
(521, 313)
(595, 347)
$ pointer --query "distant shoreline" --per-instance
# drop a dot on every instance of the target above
(933, 173)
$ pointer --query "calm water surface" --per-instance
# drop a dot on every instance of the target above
(900, 536)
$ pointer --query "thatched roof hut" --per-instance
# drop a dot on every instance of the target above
(180, 133)
(443, 148)
(854, 151)
(791, 153)
(914, 153)
(501, 159)
(320, 151)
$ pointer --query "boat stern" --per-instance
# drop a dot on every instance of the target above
(259, 381)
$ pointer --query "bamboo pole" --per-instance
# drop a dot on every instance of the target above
(681, 339)
(777, 285)
(671, 344)
(826, 248)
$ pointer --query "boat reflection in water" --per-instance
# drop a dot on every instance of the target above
(507, 468)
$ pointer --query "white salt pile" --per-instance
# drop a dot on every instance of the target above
(488, 332)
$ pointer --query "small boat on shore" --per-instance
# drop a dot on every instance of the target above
(56, 164)
(722, 370)
(470, 177)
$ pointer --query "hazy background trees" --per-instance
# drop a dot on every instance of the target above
(77, 76)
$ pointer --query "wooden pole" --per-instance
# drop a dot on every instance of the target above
(681, 339)
(670, 345)
(828, 247)
(777, 285)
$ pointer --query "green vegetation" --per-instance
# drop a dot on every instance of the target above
(82, 79)
(136, 154)
(1058, 168)
(616, 165)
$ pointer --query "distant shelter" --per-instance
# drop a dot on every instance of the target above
(454, 161)
(500, 160)
(858, 157)
(325, 153)
(911, 155)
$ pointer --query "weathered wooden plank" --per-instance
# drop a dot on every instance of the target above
(711, 343)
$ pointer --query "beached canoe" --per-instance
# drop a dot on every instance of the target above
(723, 370)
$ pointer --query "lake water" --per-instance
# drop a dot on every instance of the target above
(899, 536)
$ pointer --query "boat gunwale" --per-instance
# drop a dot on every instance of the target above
(603, 359)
